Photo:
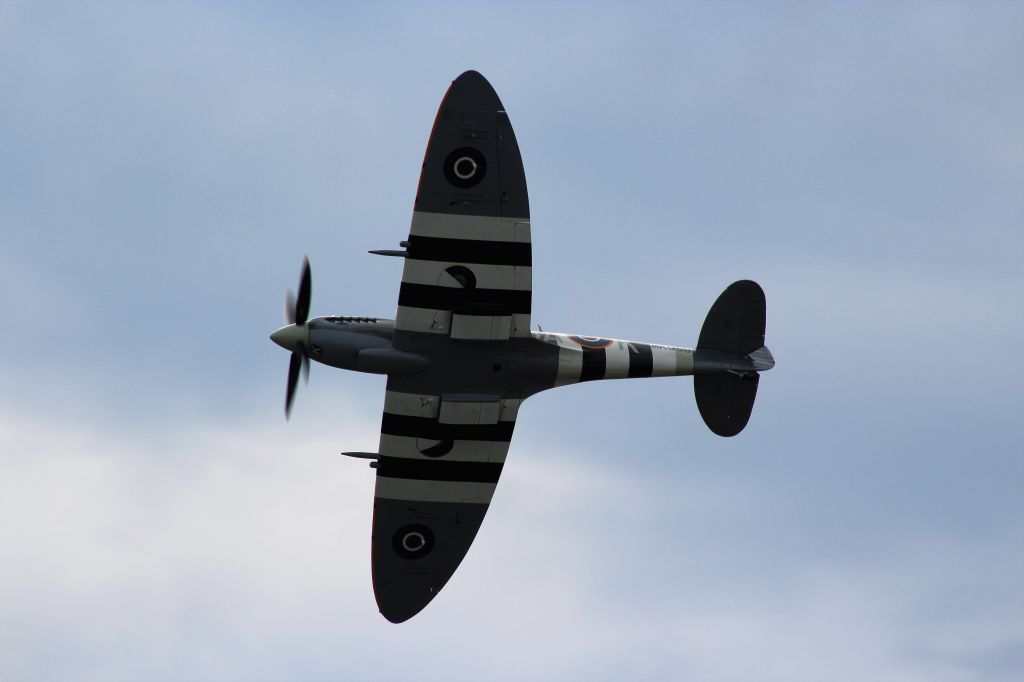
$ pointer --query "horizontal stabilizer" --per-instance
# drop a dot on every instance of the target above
(730, 353)
(725, 400)
(735, 324)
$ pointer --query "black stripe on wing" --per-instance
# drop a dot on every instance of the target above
(465, 301)
(426, 427)
(469, 251)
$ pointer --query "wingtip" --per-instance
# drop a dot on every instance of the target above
(470, 74)
(398, 609)
(396, 618)
(471, 89)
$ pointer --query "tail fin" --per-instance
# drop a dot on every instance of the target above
(730, 353)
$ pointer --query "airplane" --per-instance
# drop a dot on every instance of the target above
(460, 356)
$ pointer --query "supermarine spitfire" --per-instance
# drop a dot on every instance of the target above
(461, 358)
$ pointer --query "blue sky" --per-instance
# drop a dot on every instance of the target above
(163, 169)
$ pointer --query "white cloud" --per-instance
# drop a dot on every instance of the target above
(241, 552)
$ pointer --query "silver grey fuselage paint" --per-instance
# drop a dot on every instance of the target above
(516, 368)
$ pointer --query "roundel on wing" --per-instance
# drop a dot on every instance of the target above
(463, 275)
(413, 541)
(435, 448)
(465, 167)
(591, 342)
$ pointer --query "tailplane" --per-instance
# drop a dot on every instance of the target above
(730, 354)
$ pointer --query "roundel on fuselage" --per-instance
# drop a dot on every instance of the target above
(465, 167)
(591, 342)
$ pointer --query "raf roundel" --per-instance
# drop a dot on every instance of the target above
(591, 342)
(413, 541)
(438, 449)
(465, 167)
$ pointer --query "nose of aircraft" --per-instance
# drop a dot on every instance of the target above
(291, 337)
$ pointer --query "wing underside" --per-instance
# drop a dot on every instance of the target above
(466, 287)
(440, 457)
(468, 270)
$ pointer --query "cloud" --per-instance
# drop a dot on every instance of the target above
(240, 551)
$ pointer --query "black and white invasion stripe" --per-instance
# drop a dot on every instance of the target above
(438, 450)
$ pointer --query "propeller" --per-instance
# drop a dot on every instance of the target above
(296, 312)
(299, 364)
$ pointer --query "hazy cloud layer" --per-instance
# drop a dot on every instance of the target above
(241, 552)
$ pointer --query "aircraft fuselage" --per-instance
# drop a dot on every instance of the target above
(517, 366)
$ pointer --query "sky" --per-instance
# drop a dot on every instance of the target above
(164, 167)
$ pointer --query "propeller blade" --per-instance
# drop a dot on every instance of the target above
(294, 367)
(305, 292)
(296, 311)
(289, 307)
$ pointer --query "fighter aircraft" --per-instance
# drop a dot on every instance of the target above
(461, 358)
